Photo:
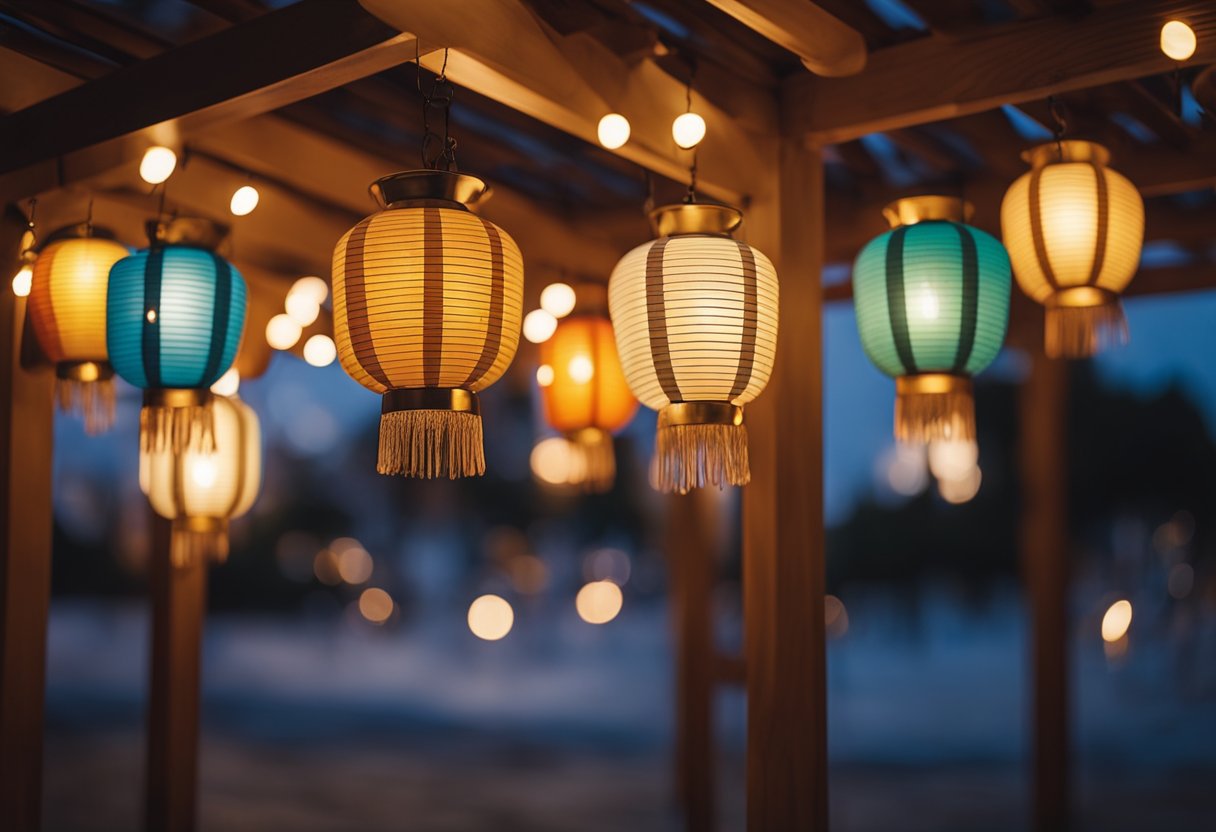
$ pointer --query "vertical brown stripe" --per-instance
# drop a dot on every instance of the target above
(358, 322)
(1036, 228)
(46, 308)
(1103, 224)
(432, 296)
(656, 319)
(489, 349)
(242, 448)
(747, 348)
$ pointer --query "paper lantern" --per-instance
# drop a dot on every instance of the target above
(932, 303)
(174, 315)
(695, 315)
(427, 305)
(1074, 228)
(67, 308)
(584, 391)
(201, 490)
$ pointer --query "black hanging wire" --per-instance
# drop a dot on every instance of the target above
(438, 152)
(1059, 120)
(29, 238)
(691, 196)
(88, 220)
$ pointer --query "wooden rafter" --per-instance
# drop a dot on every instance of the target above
(825, 45)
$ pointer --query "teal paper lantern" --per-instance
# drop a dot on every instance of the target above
(174, 318)
(932, 303)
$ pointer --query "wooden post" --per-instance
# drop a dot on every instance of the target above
(179, 599)
(26, 432)
(783, 568)
(693, 565)
(1044, 544)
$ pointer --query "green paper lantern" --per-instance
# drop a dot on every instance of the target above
(932, 303)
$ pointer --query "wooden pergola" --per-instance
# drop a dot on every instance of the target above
(817, 113)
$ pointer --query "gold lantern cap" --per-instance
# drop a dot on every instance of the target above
(429, 188)
(1067, 150)
(84, 371)
(695, 218)
(455, 399)
(177, 397)
(913, 209)
(700, 413)
(76, 231)
(196, 232)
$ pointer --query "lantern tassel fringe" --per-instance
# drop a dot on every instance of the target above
(93, 400)
(596, 461)
(431, 443)
(181, 428)
(1082, 331)
(923, 417)
(693, 456)
(191, 546)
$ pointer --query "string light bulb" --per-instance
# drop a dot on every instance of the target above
(157, 165)
(1178, 40)
(613, 131)
(22, 281)
(244, 200)
(282, 332)
(688, 130)
(539, 326)
(320, 351)
(557, 299)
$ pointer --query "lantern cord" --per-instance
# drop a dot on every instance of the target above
(438, 97)
(88, 220)
(29, 240)
(1060, 122)
(691, 196)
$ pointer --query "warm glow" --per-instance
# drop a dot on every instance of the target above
(228, 384)
(203, 473)
(580, 369)
(906, 470)
(835, 617)
(552, 461)
(1117, 620)
(320, 351)
(354, 563)
(151, 316)
(310, 287)
(157, 165)
(557, 299)
(544, 375)
(282, 332)
(688, 129)
(539, 326)
(953, 459)
(22, 281)
(613, 130)
(490, 617)
(376, 605)
(961, 490)
(302, 308)
(244, 200)
(926, 303)
(599, 602)
(1178, 40)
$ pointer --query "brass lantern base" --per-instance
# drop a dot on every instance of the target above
(934, 406)
(87, 389)
(429, 188)
(1082, 321)
(431, 432)
(695, 218)
(196, 539)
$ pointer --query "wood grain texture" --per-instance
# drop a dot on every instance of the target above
(935, 78)
(825, 45)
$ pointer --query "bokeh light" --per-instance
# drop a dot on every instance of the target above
(244, 200)
(544, 375)
(528, 574)
(355, 565)
(557, 299)
(961, 490)
(320, 351)
(953, 459)
(302, 307)
(157, 165)
(490, 617)
(325, 567)
(539, 326)
(688, 130)
(1178, 40)
(23, 280)
(608, 564)
(599, 602)
(835, 617)
(282, 332)
(580, 369)
(905, 469)
(613, 131)
(228, 384)
(1117, 620)
(375, 605)
(311, 287)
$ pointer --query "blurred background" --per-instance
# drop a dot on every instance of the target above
(346, 685)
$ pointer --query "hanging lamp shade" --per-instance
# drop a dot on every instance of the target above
(175, 313)
(695, 315)
(67, 308)
(1074, 229)
(428, 301)
(201, 490)
(583, 388)
(932, 303)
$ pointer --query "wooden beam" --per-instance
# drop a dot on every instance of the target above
(783, 554)
(1043, 458)
(26, 432)
(934, 78)
(179, 600)
(824, 44)
(571, 82)
(317, 45)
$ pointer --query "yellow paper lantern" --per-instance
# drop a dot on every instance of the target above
(695, 315)
(586, 396)
(428, 299)
(67, 307)
(1073, 228)
(201, 490)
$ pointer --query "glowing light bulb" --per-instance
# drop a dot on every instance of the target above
(22, 281)
(557, 299)
(310, 287)
(244, 200)
(203, 473)
(598, 602)
(301, 308)
(613, 130)
(151, 316)
(1178, 40)
(228, 383)
(375, 605)
(544, 375)
(688, 130)
(282, 332)
(539, 326)
(320, 351)
(490, 617)
(157, 165)
(580, 369)
(1117, 620)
